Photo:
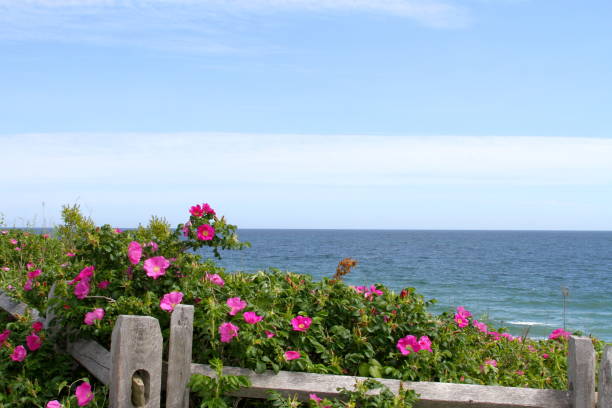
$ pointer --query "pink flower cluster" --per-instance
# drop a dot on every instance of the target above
(31, 276)
(368, 293)
(409, 344)
(199, 210)
(91, 317)
(82, 280)
(559, 333)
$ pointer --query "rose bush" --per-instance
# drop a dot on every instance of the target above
(266, 320)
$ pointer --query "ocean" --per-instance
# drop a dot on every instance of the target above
(512, 279)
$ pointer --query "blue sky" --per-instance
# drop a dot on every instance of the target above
(484, 114)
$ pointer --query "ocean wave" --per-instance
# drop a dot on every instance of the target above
(520, 323)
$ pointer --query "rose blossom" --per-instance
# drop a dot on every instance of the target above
(205, 232)
(216, 279)
(559, 333)
(33, 341)
(134, 252)
(197, 211)
(53, 404)
(103, 284)
(83, 394)
(269, 334)
(156, 266)
(4, 336)
(315, 398)
(292, 355)
(206, 208)
(91, 317)
(28, 285)
(37, 326)
(19, 353)
(301, 323)
(228, 331)
(170, 300)
(81, 289)
(251, 317)
(235, 304)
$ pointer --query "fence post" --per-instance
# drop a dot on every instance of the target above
(581, 372)
(136, 353)
(179, 357)
(605, 379)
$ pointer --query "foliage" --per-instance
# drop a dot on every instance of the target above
(269, 320)
(213, 391)
(367, 394)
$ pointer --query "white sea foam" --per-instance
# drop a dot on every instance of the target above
(520, 323)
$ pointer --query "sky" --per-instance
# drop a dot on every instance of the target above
(409, 114)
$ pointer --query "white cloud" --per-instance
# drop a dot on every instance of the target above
(153, 159)
(313, 181)
(188, 25)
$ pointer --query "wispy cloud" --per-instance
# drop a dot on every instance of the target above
(151, 159)
(210, 26)
(314, 180)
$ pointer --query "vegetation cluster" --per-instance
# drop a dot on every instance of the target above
(269, 320)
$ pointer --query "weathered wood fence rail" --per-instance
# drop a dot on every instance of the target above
(133, 371)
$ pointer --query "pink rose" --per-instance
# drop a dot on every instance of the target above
(28, 285)
(301, 323)
(197, 211)
(170, 300)
(134, 252)
(269, 334)
(205, 232)
(235, 304)
(156, 266)
(407, 345)
(53, 404)
(252, 318)
(81, 289)
(91, 317)
(19, 353)
(206, 208)
(4, 336)
(34, 274)
(33, 342)
(37, 326)
(216, 279)
(83, 394)
(292, 355)
(103, 284)
(315, 398)
(228, 331)
(557, 333)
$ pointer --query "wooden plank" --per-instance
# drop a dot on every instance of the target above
(604, 397)
(16, 308)
(136, 348)
(95, 358)
(179, 357)
(432, 395)
(581, 372)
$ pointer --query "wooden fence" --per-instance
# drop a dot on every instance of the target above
(134, 372)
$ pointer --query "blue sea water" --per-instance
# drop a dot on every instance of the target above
(511, 278)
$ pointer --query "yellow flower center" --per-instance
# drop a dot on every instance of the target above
(156, 269)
